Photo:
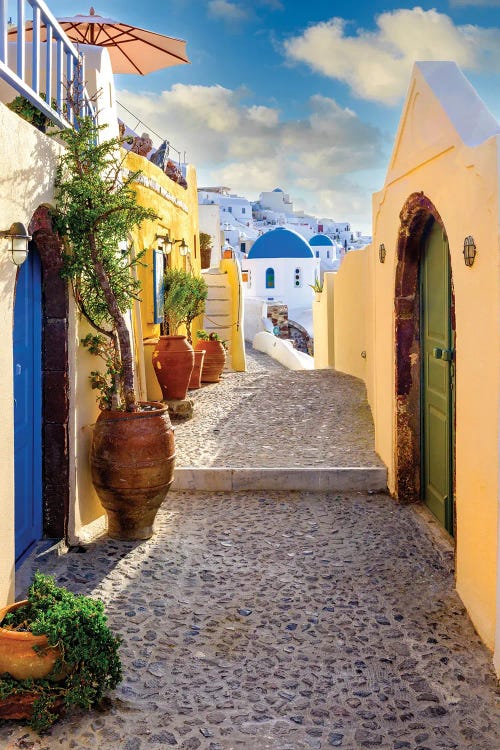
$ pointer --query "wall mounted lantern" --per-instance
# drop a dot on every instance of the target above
(165, 243)
(382, 252)
(183, 248)
(18, 242)
(469, 251)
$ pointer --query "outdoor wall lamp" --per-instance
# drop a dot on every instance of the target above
(469, 251)
(382, 252)
(18, 242)
(183, 248)
(164, 243)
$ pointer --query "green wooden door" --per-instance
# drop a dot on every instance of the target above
(437, 378)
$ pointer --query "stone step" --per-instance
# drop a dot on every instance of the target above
(320, 479)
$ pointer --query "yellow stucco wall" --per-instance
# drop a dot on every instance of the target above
(323, 323)
(237, 344)
(350, 300)
(177, 211)
(462, 182)
(470, 208)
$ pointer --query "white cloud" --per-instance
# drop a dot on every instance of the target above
(227, 10)
(377, 64)
(252, 148)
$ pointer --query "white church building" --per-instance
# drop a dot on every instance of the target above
(280, 267)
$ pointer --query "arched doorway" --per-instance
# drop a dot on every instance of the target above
(424, 339)
(27, 359)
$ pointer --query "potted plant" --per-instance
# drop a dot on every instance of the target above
(25, 109)
(215, 355)
(198, 292)
(205, 249)
(56, 652)
(133, 451)
(173, 357)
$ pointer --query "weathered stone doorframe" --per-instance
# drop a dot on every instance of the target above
(415, 219)
(55, 380)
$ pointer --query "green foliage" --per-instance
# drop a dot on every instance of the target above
(109, 384)
(205, 241)
(78, 626)
(96, 203)
(198, 292)
(317, 286)
(184, 299)
(25, 109)
(96, 210)
(212, 336)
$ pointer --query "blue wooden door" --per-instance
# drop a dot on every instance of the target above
(27, 405)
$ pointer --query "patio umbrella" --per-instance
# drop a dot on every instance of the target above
(131, 49)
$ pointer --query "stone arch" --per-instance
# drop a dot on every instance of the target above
(416, 218)
(55, 376)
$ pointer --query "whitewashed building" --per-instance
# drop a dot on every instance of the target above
(281, 267)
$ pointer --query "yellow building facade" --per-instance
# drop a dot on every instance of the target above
(439, 203)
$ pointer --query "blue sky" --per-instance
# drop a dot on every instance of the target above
(304, 96)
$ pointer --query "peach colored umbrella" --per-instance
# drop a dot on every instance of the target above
(131, 49)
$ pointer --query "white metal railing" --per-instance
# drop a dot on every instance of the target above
(62, 80)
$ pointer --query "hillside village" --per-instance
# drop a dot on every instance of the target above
(277, 465)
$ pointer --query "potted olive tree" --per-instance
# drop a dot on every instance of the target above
(173, 356)
(96, 210)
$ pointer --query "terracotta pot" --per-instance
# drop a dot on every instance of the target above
(215, 359)
(20, 706)
(195, 379)
(17, 656)
(173, 361)
(132, 462)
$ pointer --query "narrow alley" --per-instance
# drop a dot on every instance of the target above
(278, 620)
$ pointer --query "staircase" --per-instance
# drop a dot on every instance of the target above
(218, 307)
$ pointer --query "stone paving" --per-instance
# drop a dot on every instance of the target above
(273, 417)
(280, 620)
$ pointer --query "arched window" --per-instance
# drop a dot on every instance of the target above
(269, 278)
(296, 279)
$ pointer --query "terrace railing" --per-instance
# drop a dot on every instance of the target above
(60, 80)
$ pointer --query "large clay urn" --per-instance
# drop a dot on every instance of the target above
(173, 362)
(215, 359)
(195, 379)
(132, 462)
(17, 650)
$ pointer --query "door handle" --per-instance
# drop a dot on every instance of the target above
(445, 354)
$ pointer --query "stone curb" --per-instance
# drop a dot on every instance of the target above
(226, 479)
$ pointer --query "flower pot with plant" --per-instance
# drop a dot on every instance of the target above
(215, 355)
(56, 652)
(198, 292)
(132, 456)
(173, 356)
(205, 249)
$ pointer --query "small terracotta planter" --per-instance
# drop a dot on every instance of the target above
(215, 359)
(173, 362)
(195, 379)
(17, 655)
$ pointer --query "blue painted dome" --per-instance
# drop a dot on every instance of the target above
(280, 243)
(320, 240)
(277, 190)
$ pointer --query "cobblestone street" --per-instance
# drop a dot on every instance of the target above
(281, 621)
